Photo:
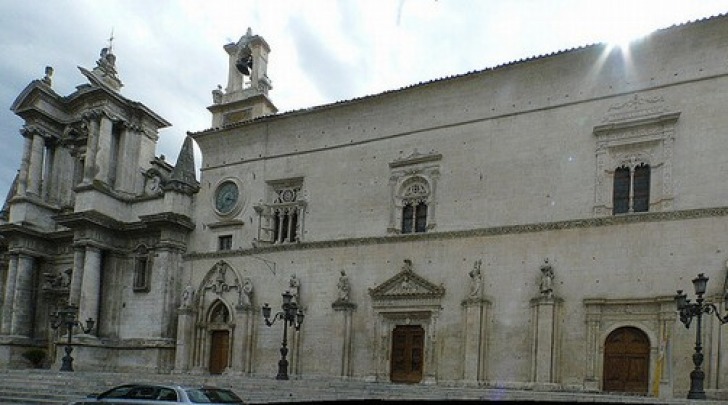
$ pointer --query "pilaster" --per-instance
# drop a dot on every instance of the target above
(242, 344)
(545, 347)
(475, 345)
(185, 323)
(345, 309)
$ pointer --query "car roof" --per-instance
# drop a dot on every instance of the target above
(177, 386)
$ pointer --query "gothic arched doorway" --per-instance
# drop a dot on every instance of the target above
(219, 339)
(626, 361)
(408, 343)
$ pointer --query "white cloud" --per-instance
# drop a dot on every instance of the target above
(170, 56)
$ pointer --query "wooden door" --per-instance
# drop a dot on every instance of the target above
(626, 361)
(219, 345)
(407, 354)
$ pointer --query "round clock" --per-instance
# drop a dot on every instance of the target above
(226, 197)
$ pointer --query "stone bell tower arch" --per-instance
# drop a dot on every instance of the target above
(246, 95)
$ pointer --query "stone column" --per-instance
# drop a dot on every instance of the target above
(79, 254)
(23, 309)
(545, 339)
(24, 164)
(89, 169)
(9, 296)
(90, 287)
(346, 309)
(475, 347)
(35, 168)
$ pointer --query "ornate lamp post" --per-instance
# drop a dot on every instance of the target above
(67, 317)
(688, 311)
(290, 315)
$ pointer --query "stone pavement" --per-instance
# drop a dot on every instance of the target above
(55, 388)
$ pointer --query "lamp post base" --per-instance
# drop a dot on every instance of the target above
(282, 370)
(67, 364)
(696, 385)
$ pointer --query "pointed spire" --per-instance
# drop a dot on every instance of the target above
(183, 176)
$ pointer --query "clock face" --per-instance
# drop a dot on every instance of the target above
(226, 197)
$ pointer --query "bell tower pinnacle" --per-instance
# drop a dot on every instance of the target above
(246, 94)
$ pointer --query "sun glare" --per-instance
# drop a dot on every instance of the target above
(628, 30)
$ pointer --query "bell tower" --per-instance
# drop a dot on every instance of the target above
(246, 94)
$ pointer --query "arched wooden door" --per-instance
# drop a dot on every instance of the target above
(219, 347)
(408, 342)
(626, 361)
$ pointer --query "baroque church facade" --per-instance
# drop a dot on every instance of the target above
(524, 226)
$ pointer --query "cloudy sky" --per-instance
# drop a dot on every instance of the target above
(170, 55)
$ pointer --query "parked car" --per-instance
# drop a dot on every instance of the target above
(149, 394)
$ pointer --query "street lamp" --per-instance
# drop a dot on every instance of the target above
(291, 315)
(688, 311)
(67, 317)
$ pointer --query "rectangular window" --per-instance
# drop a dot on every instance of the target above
(141, 273)
(225, 242)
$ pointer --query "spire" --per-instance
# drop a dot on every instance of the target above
(183, 177)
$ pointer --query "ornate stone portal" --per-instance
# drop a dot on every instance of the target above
(216, 324)
(406, 299)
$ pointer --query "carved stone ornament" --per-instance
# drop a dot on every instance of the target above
(221, 279)
(406, 285)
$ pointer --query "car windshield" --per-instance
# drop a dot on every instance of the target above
(213, 395)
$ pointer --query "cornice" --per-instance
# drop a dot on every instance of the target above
(646, 217)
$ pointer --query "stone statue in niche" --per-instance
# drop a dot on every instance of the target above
(295, 285)
(344, 287)
(246, 292)
(476, 279)
(547, 279)
(407, 266)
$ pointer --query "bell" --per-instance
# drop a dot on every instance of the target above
(244, 64)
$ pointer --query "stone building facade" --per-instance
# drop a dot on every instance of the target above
(523, 226)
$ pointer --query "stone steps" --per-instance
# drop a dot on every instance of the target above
(52, 387)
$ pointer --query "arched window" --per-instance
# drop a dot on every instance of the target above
(141, 269)
(415, 195)
(631, 191)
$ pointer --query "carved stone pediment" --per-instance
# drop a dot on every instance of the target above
(406, 286)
